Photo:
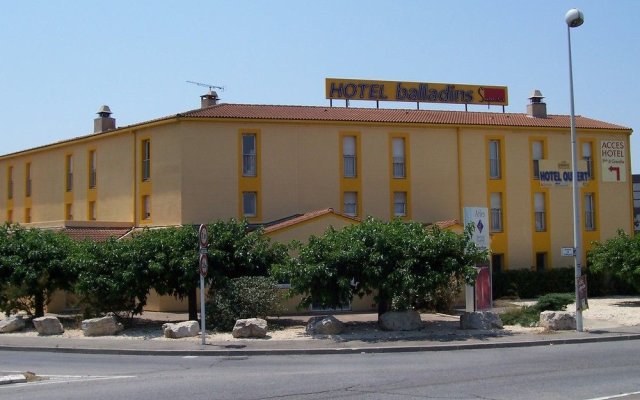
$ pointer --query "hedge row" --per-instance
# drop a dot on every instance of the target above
(527, 284)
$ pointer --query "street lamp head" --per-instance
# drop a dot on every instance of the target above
(574, 18)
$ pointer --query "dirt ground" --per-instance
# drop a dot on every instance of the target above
(602, 312)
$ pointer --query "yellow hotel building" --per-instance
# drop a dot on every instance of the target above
(269, 162)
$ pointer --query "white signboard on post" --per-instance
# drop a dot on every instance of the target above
(613, 156)
(479, 217)
(478, 296)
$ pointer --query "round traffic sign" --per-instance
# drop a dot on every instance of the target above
(203, 236)
(203, 265)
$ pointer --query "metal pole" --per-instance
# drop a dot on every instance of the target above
(577, 232)
(202, 325)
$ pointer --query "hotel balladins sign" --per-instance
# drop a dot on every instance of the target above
(359, 89)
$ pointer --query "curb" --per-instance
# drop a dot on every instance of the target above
(15, 378)
(322, 351)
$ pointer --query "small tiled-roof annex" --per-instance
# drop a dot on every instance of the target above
(95, 234)
(305, 217)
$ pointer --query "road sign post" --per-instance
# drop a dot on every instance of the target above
(203, 267)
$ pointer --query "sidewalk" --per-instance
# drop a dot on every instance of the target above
(441, 333)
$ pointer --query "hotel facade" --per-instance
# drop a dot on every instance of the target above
(272, 163)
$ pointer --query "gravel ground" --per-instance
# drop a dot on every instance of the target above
(602, 312)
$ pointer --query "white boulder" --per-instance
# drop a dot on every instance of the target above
(250, 328)
(48, 325)
(181, 329)
(400, 321)
(558, 320)
(104, 326)
(324, 325)
(12, 324)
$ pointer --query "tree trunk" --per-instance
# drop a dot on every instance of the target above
(38, 301)
(383, 305)
(193, 305)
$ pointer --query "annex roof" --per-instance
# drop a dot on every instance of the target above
(300, 218)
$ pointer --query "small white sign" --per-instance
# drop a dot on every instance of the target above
(568, 252)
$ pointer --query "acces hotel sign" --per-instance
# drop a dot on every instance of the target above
(358, 89)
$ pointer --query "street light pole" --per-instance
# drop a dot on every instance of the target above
(575, 18)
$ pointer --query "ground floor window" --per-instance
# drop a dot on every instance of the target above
(497, 262)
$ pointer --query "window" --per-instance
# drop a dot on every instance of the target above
(537, 154)
(589, 212)
(541, 261)
(249, 204)
(69, 172)
(496, 212)
(92, 169)
(349, 156)
(539, 212)
(351, 203)
(146, 207)
(494, 159)
(398, 158)
(68, 212)
(146, 160)
(27, 215)
(587, 155)
(399, 204)
(92, 211)
(249, 155)
(9, 184)
(27, 180)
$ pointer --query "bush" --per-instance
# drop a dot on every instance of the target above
(244, 297)
(554, 302)
(530, 315)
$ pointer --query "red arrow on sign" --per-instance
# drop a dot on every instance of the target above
(617, 170)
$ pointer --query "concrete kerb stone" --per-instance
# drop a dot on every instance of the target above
(203, 351)
(12, 378)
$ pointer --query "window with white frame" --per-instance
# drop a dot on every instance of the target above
(398, 150)
(494, 159)
(249, 204)
(351, 203)
(146, 207)
(92, 169)
(349, 156)
(496, 212)
(146, 160)
(399, 204)
(537, 154)
(587, 155)
(539, 212)
(589, 212)
(249, 155)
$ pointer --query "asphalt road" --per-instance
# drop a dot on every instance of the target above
(595, 370)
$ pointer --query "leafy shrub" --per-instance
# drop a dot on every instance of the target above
(554, 301)
(244, 297)
(526, 316)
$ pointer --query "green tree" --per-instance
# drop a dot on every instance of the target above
(112, 279)
(619, 256)
(405, 263)
(171, 256)
(35, 263)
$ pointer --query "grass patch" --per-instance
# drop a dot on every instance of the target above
(529, 316)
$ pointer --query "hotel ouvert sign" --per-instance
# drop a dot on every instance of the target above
(359, 89)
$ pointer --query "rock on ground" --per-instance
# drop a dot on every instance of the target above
(250, 328)
(48, 325)
(558, 320)
(181, 329)
(105, 326)
(13, 324)
(324, 325)
(400, 321)
(480, 320)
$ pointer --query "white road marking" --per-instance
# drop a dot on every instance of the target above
(615, 396)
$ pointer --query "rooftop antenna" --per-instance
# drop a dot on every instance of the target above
(211, 87)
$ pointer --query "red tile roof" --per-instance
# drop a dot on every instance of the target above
(305, 217)
(95, 234)
(373, 115)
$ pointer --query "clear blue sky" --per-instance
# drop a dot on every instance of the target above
(61, 60)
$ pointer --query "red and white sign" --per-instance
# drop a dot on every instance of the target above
(613, 156)
(203, 236)
(203, 265)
